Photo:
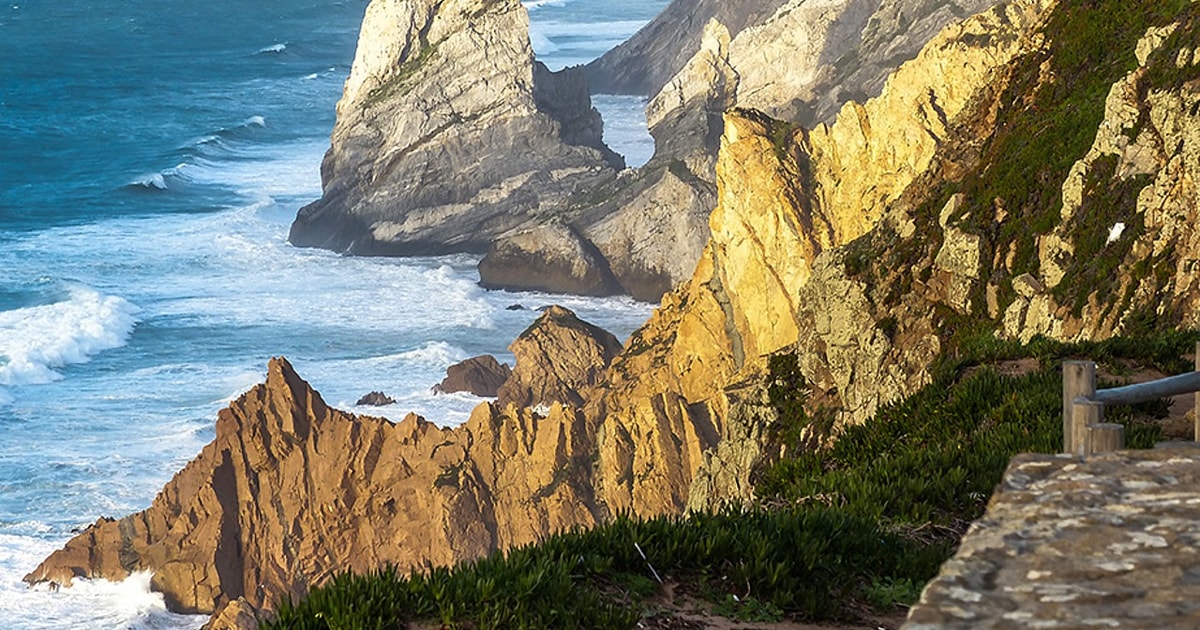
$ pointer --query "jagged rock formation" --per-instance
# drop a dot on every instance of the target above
(798, 61)
(291, 491)
(375, 399)
(772, 277)
(481, 376)
(559, 357)
(982, 181)
(449, 134)
(644, 63)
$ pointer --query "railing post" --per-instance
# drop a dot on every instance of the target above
(1196, 404)
(1085, 413)
(1079, 380)
(1104, 437)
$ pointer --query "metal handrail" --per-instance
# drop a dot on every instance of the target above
(1084, 429)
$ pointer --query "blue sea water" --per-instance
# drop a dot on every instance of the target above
(152, 156)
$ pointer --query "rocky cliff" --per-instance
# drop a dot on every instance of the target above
(449, 133)
(979, 194)
(797, 61)
(291, 491)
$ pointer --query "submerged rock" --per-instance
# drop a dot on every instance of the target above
(375, 399)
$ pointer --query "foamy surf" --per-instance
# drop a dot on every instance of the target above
(274, 49)
(36, 341)
(93, 603)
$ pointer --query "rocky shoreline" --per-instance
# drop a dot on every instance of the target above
(967, 202)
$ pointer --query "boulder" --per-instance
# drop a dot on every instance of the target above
(551, 257)
(481, 376)
(558, 358)
(375, 399)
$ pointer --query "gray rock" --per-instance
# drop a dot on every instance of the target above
(375, 399)
(449, 135)
(644, 63)
(553, 257)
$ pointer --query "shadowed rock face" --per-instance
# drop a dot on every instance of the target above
(643, 64)
(559, 357)
(291, 491)
(448, 134)
(481, 376)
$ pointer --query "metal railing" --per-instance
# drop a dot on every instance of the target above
(1084, 429)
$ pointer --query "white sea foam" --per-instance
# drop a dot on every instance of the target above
(276, 48)
(255, 121)
(36, 341)
(533, 5)
(87, 603)
(154, 181)
(541, 44)
(625, 127)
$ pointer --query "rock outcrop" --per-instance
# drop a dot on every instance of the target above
(375, 399)
(798, 61)
(773, 277)
(290, 492)
(865, 247)
(559, 358)
(449, 134)
(643, 64)
(480, 376)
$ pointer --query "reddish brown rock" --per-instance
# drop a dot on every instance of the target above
(481, 376)
(291, 491)
(558, 358)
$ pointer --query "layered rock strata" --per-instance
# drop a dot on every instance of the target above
(863, 246)
(291, 491)
(773, 277)
(643, 64)
(797, 61)
(559, 359)
(449, 133)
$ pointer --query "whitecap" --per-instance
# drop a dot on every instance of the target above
(95, 603)
(153, 181)
(533, 5)
(255, 121)
(275, 48)
(36, 341)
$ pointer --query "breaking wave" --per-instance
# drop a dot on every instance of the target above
(36, 341)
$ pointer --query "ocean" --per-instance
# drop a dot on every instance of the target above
(152, 157)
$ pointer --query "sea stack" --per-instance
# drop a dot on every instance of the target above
(449, 134)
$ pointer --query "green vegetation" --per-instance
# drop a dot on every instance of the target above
(862, 520)
(398, 83)
(1049, 109)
